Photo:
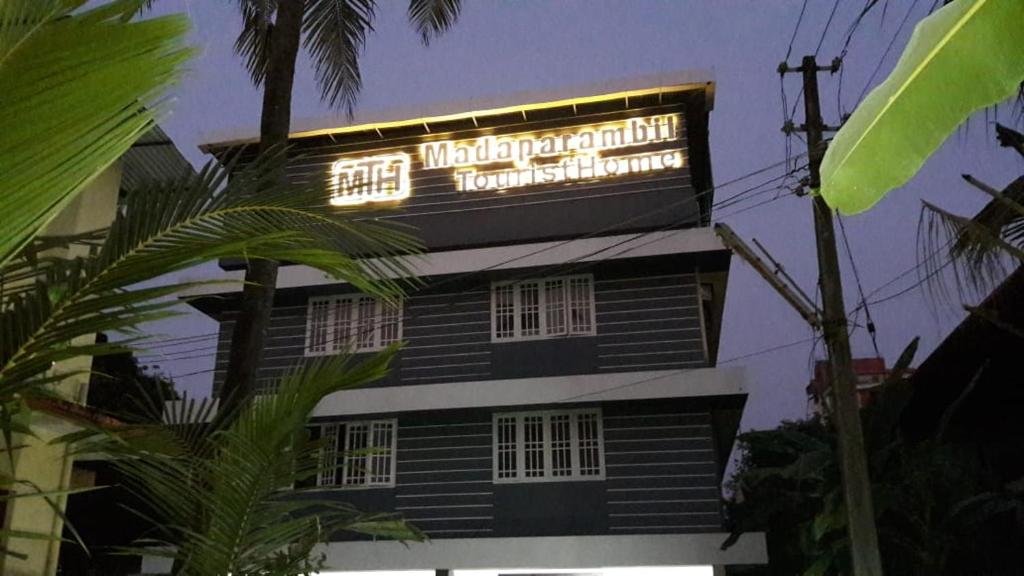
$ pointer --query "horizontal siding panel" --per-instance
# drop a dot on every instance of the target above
(667, 481)
(634, 445)
(659, 433)
(660, 281)
(421, 466)
(648, 420)
(687, 507)
(708, 467)
(646, 493)
(449, 442)
(613, 459)
(646, 304)
(424, 348)
(444, 499)
(666, 519)
(420, 488)
(412, 432)
(451, 524)
(472, 511)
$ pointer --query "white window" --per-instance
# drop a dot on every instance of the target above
(358, 454)
(356, 323)
(548, 446)
(544, 308)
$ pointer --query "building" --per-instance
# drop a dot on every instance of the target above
(557, 406)
(869, 374)
(51, 465)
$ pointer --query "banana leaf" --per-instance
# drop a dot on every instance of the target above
(964, 57)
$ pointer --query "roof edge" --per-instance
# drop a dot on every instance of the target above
(677, 81)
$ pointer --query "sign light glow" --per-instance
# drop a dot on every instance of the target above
(584, 154)
(577, 153)
(380, 178)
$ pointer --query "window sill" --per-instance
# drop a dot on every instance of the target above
(540, 338)
(549, 480)
(308, 354)
(354, 488)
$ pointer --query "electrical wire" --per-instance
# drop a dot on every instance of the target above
(681, 371)
(732, 200)
(888, 48)
(586, 258)
(828, 23)
(792, 38)
(860, 287)
(726, 202)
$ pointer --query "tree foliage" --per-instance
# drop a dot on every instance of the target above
(77, 87)
(940, 508)
(334, 34)
(226, 489)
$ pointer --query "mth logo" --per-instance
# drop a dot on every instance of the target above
(371, 179)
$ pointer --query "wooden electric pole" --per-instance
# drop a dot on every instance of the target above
(845, 408)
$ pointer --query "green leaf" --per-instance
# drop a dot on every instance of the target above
(77, 89)
(962, 58)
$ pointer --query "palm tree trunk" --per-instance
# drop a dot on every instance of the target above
(249, 335)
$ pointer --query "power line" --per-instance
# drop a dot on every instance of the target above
(730, 201)
(906, 290)
(682, 371)
(789, 50)
(828, 23)
(860, 287)
(888, 48)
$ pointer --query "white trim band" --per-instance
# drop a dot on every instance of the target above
(548, 552)
(651, 384)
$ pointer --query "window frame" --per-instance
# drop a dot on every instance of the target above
(566, 304)
(340, 448)
(548, 469)
(350, 344)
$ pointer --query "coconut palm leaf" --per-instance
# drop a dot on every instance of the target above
(431, 18)
(961, 58)
(167, 228)
(222, 494)
(77, 87)
(334, 34)
(983, 248)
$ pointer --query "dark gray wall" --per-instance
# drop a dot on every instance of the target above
(647, 319)
(661, 477)
(444, 218)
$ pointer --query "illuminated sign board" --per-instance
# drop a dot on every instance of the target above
(498, 163)
(579, 153)
(372, 179)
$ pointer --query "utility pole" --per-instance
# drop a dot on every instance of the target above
(845, 410)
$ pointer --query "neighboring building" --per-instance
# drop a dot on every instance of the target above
(869, 373)
(51, 465)
(557, 405)
(970, 389)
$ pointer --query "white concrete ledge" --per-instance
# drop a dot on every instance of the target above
(682, 383)
(680, 241)
(575, 552)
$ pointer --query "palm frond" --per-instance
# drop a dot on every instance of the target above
(335, 34)
(431, 18)
(77, 89)
(229, 507)
(980, 257)
(253, 42)
(195, 219)
(981, 249)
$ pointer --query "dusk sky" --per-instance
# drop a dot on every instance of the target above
(531, 45)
